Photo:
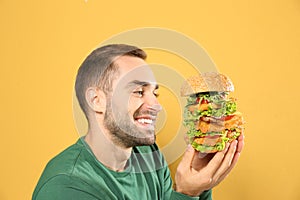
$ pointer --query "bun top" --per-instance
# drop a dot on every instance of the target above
(206, 82)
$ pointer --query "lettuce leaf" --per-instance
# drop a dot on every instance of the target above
(203, 148)
(228, 107)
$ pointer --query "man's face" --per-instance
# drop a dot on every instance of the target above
(132, 107)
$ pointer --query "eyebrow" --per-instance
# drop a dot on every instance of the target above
(140, 83)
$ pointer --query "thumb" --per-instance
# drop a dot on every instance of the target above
(187, 157)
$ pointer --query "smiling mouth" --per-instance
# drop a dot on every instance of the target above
(145, 121)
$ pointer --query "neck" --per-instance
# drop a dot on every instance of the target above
(109, 154)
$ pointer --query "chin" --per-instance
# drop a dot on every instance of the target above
(146, 141)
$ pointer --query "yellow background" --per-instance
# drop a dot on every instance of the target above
(255, 42)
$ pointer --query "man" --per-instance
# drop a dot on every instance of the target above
(118, 157)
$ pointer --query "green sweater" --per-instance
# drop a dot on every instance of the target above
(76, 174)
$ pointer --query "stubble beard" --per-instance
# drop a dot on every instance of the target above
(124, 132)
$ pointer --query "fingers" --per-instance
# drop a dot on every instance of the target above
(197, 172)
(237, 154)
(232, 163)
(241, 143)
(227, 162)
(230, 154)
(231, 158)
(186, 139)
(200, 160)
(216, 161)
(184, 175)
(187, 158)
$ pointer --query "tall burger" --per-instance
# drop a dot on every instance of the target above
(210, 115)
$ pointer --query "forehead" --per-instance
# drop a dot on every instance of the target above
(133, 69)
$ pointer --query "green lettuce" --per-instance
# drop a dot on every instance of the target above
(225, 107)
(203, 148)
(228, 106)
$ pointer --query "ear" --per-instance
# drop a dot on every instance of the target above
(96, 99)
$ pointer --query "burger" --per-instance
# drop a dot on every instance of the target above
(210, 115)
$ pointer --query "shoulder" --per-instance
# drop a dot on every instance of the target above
(63, 168)
(64, 162)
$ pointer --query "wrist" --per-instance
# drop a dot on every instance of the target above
(189, 192)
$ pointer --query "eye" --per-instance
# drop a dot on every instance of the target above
(139, 93)
(156, 94)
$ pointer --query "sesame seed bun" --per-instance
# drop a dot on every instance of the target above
(206, 82)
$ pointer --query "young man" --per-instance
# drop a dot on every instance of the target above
(118, 157)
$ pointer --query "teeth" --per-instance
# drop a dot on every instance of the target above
(145, 121)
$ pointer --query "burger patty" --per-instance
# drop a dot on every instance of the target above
(208, 140)
(211, 124)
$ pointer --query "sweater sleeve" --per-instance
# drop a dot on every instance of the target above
(206, 195)
(173, 195)
(179, 196)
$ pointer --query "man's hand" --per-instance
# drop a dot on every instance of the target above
(199, 172)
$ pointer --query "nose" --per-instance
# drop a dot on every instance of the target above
(155, 107)
(153, 104)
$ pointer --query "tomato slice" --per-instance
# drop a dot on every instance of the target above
(228, 117)
(204, 101)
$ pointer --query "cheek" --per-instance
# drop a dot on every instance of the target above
(134, 104)
(120, 101)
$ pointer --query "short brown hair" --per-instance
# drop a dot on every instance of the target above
(99, 69)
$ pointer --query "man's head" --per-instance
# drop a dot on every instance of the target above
(99, 70)
(122, 90)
